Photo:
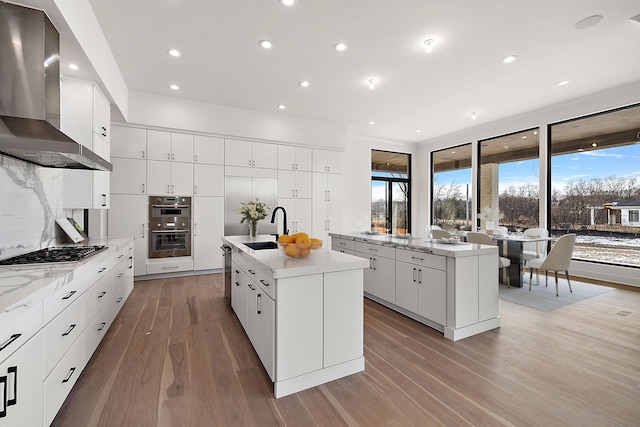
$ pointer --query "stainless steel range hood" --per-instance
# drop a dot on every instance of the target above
(30, 94)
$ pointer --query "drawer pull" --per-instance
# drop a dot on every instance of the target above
(373, 250)
(68, 377)
(8, 342)
(102, 294)
(237, 284)
(69, 295)
(102, 270)
(416, 258)
(264, 283)
(102, 325)
(258, 300)
(251, 271)
(13, 370)
(119, 300)
(120, 256)
(69, 330)
(119, 275)
(3, 381)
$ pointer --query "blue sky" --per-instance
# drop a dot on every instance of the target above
(618, 161)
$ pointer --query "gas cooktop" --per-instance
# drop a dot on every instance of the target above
(54, 255)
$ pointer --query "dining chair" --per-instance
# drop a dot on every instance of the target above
(533, 250)
(484, 239)
(558, 259)
(440, 234)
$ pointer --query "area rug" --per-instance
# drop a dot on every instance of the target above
(545, 299)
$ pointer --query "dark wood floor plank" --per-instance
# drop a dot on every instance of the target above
(176, 355)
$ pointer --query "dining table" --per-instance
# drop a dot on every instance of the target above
(511, 246)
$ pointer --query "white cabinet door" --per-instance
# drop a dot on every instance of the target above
(265, 155)
(294, 184)
(101, 114)
(208, 228)
(182, 178)
(129, 176)
(294, 158)
(76, 119)
(21, 379)
(238, 152)
(327, 161)
(384, 272)
(158, 177)
(158, 145)
(181, 147)
(298, 216)
(101, 189)
(240, 294)
(432, 294)
(207, 149)
(407, 286)
(334, 192)
(208, 180)
(266, 319)
(128, 216)
(127, 142)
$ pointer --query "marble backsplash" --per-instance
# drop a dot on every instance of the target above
(31, 200)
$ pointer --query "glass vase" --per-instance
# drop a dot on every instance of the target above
(253, 229)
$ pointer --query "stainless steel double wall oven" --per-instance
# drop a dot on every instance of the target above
(170, 226)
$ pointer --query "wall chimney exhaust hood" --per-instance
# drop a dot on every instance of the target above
(30, 94)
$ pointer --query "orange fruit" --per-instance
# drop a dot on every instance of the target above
(292, 250)
(296, 235)
(305, 252)
(285, 239)
(316, 243)
(303, 242)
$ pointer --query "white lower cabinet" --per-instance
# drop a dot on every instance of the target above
(208, 228)
(21, 380)
(380, 277)
(128, 216)
(422, 290)
(58, 384)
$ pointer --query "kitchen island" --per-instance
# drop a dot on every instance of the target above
(303, 316)
(451, 287)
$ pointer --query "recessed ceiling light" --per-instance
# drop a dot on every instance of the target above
(174, 52)
(509, 59)
(588, 22)
(580, 149)
(303, 83)
(266, 44)
(506, 147)
(453, 152)
(372, 122)
(563, 82)
(473, 115)
(372, 83)
(282, 106)
(340, 47)
(594, 144)
(428, 45)
(174, 86)
(73, 66)
(635, 20)
(288, 2)
(418, 130)
(524, 137)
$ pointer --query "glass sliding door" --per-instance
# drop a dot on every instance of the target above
(390, 192)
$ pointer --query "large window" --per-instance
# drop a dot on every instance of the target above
(451, 188)
(390, 192)
(595, 185)
(509, 181)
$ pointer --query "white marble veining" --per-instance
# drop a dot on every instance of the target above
(31, 202)
(323, 260)
(459, 249)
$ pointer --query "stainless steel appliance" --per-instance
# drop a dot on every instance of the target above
(55, 255)
(243, 189)
(30, 93)
(226, 255)
(170, 226)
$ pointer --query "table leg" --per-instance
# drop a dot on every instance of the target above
(514, 253)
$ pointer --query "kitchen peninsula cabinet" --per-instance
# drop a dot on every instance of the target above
(452, 288)
(251, 154)
(310, 310)
(379, 278)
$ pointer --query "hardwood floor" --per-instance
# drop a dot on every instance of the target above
(177, 356)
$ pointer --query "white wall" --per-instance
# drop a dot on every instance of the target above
(356, 180)
(181, 114)
(597, 102)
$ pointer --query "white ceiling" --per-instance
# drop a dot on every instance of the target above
(222, 63)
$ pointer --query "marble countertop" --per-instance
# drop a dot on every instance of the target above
(24, 283)
(322, 260)
(457, 249)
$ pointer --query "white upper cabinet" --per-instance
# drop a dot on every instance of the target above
(130, 143)
(208, 180)
(294, 158)
(101, 115)
(327, 161)
(207, 149)
(239, 152)
(129, 176)
(76, 98)
(169, 146)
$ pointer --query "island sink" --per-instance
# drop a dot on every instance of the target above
(257, 246)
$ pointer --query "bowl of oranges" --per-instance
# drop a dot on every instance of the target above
(298, 245)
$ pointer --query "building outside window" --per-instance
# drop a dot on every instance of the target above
(390, 192)
(594, 185)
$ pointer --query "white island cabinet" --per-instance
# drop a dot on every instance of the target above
(304, 317)
(450, 287)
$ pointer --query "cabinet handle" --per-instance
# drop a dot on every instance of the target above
(258, 305)
(173, 156)
(195, 189)
(195, 229)
(419, 276)
(119, 300)
(237, 284)
(195, 157)
(8, 342)
(168, 156)
(250, 161)
(102, 270)
(370, 263)
(69, 295)
(264, 283)
(119, 276)
(143, 231)
(251, 287)
(104, 199)
(102, 325)
(71, 327)
(416, 258)
(103, 293)
(414, 275)
(170, 268)
(130, 263)
(143, 154)
(252, 272)
(143, 188)
(172, 188)
(168, 189)
(3, 381)
(68, 377)
(13, 370)
(120, 256)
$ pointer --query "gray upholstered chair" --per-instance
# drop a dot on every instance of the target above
(558, 259)
(440, 234)
(484, 239)
(533, 250)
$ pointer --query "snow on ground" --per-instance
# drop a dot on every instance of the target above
(608, 249)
